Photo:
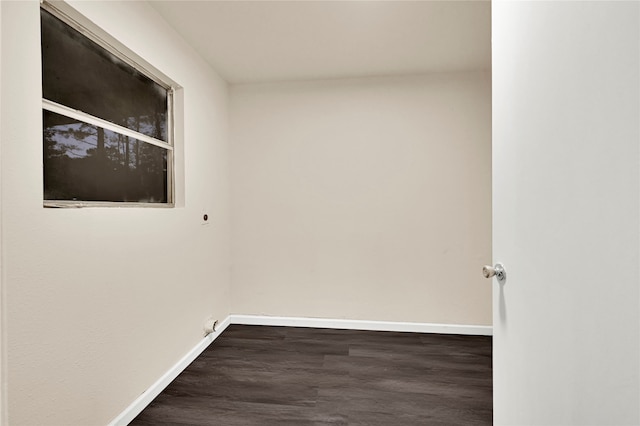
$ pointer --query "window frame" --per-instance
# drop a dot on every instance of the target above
(108, 43)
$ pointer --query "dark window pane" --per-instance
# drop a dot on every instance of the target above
(88, 163)
(78, 73)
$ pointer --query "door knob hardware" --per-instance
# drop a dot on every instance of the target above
(497, 271)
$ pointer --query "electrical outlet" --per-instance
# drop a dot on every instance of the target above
(210, 325)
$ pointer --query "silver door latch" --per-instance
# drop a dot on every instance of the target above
(497, 271)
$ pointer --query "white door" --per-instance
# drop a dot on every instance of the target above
(566, 195)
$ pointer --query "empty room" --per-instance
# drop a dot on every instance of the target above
(320, 212)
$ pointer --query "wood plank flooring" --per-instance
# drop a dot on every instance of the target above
(258, 375)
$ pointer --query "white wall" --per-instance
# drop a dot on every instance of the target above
(101, 302)
(363, 199)
(566, 133)
(3, 369)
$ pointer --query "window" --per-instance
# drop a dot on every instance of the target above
(107, 124)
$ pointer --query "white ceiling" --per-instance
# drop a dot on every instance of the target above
(259, 41)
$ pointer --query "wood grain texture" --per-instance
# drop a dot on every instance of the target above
(258, 375)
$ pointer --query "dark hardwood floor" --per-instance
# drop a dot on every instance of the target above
(257, 375)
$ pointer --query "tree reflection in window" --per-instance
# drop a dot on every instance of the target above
(89, 163)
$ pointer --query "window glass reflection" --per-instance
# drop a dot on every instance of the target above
(88, 163)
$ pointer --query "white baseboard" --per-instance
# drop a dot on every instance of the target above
(150, 394)
(412, 327)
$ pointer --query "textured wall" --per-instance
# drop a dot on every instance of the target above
(101, 302)
(363, 199)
